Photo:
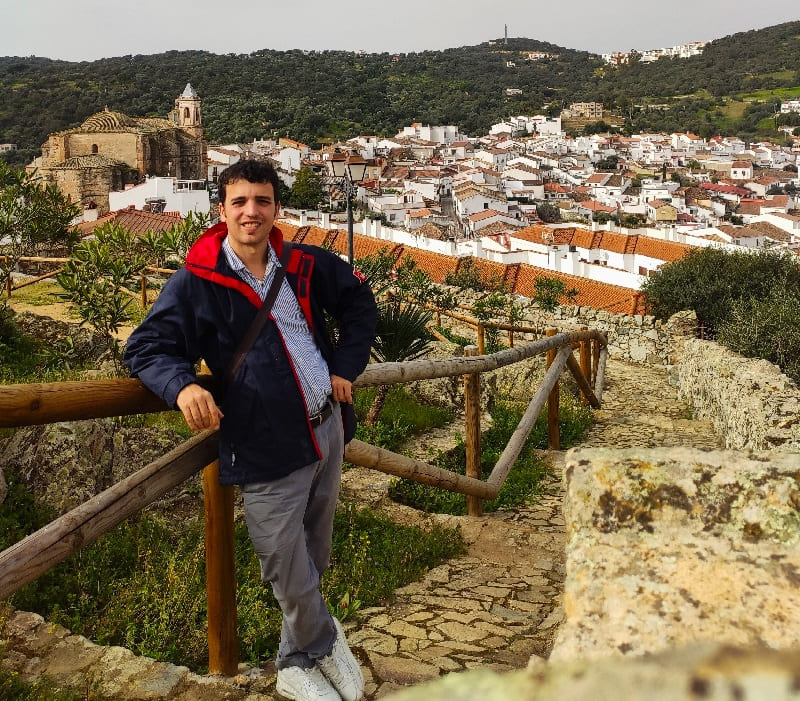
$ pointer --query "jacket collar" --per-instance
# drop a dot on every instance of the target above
(206, 260)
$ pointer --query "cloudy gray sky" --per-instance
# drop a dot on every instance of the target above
(80, 30)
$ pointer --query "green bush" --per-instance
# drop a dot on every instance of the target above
(766, 328)
(26, 359)
(710, 280)
(523, 481)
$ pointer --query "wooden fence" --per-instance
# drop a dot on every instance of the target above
(28, 404)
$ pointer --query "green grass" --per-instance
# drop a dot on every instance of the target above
(402, 416)
(142, 585)
(172, 420)
(523, 482)
(40, 294)
(14, 688)
(783, 93)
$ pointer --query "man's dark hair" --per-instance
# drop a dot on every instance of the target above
(253, 172)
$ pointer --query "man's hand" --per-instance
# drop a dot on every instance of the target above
(198, 407)
(342, 389)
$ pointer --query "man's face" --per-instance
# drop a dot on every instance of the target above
(249, 211)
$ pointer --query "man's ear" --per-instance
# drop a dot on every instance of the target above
(221, 210)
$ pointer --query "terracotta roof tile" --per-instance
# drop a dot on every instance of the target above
(435, 265)
(661, 250)
(598, 295)
(134, 220)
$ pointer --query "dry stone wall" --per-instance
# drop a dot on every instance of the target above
(751, 403)
(640, 339)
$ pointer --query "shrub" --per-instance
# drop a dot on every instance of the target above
(710, 280)
(766, 328)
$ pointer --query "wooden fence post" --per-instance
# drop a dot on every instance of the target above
(586, 364)
(481, 339)
(553, 439)
(223, 648)
(143, 286)
(595, 360)
(472, 419)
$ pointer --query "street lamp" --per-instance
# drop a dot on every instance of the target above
(347, 170)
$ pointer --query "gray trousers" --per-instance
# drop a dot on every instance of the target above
(290, 522)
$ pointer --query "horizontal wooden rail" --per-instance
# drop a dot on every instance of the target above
(49, 402)
(20, 285)
(32, 556)
(41, 403)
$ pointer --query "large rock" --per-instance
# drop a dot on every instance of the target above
(672, 546)
(64, 464)
(710, 671)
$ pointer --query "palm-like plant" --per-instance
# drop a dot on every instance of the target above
(401, 334)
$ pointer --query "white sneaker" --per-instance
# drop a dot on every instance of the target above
(341, 668)
(305, 685)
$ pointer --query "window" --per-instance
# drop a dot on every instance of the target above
(94, 148)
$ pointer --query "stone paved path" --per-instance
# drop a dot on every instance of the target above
(501, 602)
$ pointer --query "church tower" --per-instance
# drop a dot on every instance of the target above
(187, 114)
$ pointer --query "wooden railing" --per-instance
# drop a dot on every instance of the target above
(28, 404)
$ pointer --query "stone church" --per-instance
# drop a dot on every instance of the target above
(111, 150)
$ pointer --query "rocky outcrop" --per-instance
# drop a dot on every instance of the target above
(674, 546)
(699, 671)
(65, 464)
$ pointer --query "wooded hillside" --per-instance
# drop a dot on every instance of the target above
(316, 96)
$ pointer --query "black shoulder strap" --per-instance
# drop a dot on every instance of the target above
(261, 317)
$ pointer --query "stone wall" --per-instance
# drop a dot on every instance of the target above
(682, 574)
(751, 403)
(640, 339)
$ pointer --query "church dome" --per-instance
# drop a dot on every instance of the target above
(108, 121)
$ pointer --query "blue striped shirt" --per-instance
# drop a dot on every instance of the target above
(311, 368)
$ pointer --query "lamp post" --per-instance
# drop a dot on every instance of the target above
(347, 171)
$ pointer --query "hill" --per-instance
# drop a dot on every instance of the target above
(317, 96)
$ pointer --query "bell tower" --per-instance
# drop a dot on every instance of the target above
(187, 114)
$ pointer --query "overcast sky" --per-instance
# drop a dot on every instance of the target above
(82, 30)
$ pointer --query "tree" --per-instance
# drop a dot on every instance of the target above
(32, 216)
(548, 213)
(549, 292)
(709, 280)
(766, 328)
(95, 282)
(307, 189)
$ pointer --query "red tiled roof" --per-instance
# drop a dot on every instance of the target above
(598, 295)
(134, 220)
(661, 250)
(436, 265)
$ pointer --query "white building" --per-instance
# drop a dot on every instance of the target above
(163, 195)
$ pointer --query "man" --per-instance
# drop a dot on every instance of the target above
(286, 412)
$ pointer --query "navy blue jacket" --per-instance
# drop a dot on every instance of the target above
(203, 312)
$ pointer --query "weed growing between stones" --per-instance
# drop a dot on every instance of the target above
(523, 481)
